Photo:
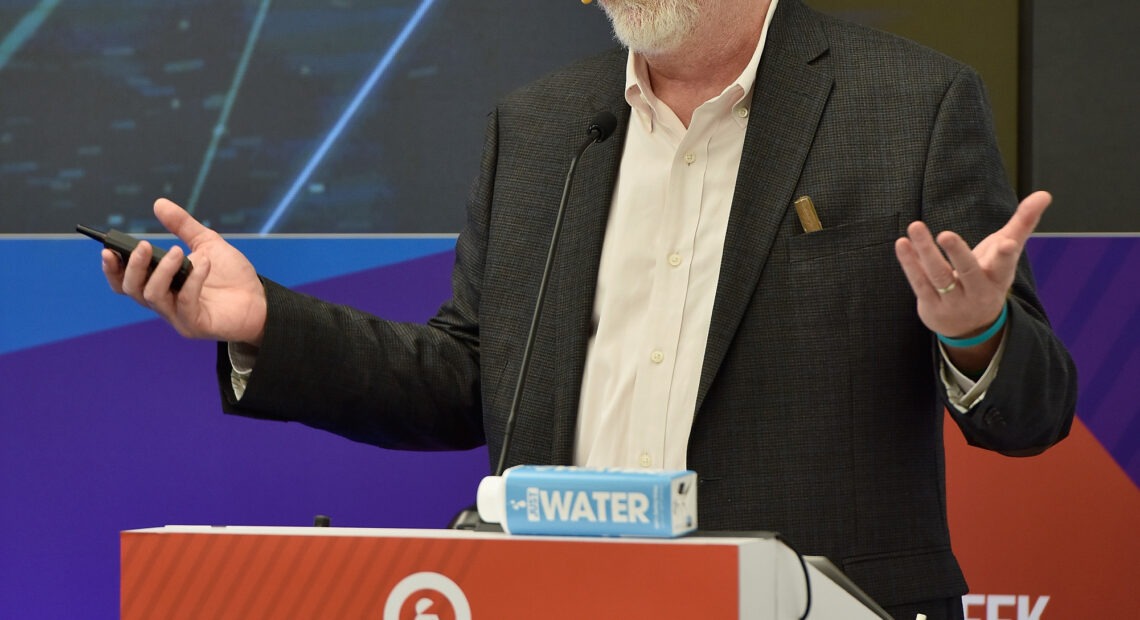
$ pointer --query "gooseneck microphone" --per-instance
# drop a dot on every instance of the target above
(600, 128)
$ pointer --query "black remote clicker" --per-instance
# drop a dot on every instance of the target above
(122, 244)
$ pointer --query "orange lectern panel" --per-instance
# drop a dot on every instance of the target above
(202, 572)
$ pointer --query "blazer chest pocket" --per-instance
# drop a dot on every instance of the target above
(843, 238)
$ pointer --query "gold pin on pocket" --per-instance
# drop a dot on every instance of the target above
(809, 219)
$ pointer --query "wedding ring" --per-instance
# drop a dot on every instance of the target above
(947, 288)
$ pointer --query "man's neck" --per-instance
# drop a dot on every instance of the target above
(711, 59)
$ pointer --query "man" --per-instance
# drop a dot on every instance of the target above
(692, 320)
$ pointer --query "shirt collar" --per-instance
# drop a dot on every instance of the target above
(639, 95)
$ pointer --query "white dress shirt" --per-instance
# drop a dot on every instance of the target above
(658, 274)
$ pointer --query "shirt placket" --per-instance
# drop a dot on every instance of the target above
(673, 259)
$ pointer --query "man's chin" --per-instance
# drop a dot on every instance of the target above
(643, 40)
(648, 46)
(645, 33)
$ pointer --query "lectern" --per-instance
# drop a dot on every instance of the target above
(282, 572)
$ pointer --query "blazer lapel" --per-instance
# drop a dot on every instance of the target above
(788, 100)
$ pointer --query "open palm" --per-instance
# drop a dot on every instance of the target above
(963, 295)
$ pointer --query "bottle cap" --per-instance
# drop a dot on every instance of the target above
(491, 499)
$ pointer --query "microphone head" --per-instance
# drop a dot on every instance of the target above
(603, 125)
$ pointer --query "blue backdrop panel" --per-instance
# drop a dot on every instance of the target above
(120, 427)
(57, 293)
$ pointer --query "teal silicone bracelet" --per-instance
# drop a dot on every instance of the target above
(962, 343)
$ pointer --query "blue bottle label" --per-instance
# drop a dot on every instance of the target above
(600, 502)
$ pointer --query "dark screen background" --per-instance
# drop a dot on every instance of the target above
(106, 105)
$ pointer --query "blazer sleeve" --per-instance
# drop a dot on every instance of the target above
(394, 385)
(1031, 403)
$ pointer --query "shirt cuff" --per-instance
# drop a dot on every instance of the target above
(962, 391)
(242, 359)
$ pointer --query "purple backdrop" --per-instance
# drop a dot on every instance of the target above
(120, 427)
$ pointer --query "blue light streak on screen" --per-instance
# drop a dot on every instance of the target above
(347, 115)
(231, 97)
(24, 30)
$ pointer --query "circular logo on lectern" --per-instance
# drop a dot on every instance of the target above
(426, 596)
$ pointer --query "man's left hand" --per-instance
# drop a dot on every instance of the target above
(962, 297)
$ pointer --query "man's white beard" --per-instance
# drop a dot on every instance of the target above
(652, 26)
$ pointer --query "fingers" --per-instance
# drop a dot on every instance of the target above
(156, 292)
(961, 291)
(137, 271)
(113, 270)
(969, 272)
(191, 293)
(939, 272)
(912, 268)
(148, 287)
(1026, 218)
(178, 221)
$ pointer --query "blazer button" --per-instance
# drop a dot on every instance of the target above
(993, 417)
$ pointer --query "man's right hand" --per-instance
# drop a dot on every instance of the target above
(222, 299)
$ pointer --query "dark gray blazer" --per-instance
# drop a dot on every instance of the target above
(819, 414)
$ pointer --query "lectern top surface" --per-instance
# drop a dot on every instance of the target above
(367, 532)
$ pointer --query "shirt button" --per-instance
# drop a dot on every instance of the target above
(657, 357)
(645, 460)
(690, 158)
(675, 259)
(742, 112)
